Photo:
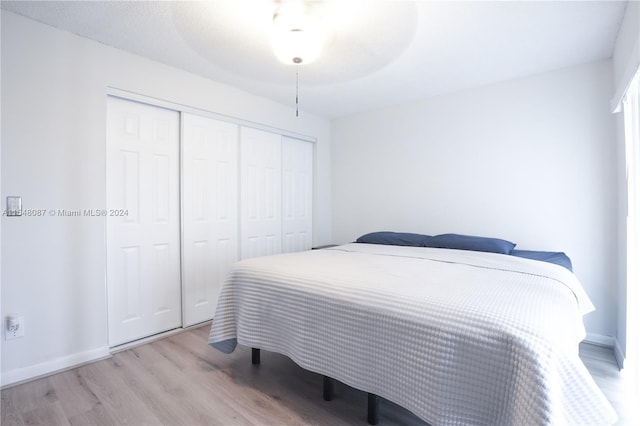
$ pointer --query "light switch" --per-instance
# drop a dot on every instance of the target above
(14, 206)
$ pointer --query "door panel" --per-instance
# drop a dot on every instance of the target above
(261, 193)
(143, 244)
(210, 212)
(297, 194)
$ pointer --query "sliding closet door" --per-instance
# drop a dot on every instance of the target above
(297, 194)
(261, 192)
(210, 212)
(143, 239)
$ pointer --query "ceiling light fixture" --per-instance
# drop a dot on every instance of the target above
(298, 34)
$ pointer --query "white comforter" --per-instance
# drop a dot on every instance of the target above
(456, 337)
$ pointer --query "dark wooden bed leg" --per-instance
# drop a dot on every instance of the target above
(327, 388)
(373, 403)
(255, 356)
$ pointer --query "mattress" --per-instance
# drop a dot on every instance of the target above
(456, 337)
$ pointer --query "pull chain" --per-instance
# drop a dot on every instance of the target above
(297, 90)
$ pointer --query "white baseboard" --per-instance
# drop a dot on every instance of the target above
(19, 375)
(617, 351)
(600, 340)
(609, 342)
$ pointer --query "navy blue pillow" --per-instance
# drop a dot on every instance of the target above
(559, 258)
(469, 242)
(394, 239)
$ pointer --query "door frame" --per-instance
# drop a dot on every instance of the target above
(180, 108)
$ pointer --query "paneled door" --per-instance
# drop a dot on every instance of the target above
(209, 212)
(261, 192)
(297, 194)
(143, 223)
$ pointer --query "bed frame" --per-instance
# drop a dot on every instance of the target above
(373, 401)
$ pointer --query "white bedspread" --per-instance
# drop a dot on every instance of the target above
(456, 337)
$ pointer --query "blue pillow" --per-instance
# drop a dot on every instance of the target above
(468, 242)
(559, 258)
(394, 239)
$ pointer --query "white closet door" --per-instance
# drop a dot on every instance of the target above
(297, 194)
(143, 237)
(210, 212)
(260, 193)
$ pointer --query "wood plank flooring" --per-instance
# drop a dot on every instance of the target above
(179, 380)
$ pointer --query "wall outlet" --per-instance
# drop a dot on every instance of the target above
(13, 327)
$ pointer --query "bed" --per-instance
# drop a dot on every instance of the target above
(456, 336)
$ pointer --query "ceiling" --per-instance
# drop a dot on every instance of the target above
(378, 53)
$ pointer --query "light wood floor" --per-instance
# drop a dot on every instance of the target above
(179, 380)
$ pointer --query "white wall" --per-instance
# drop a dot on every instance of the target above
(54, 87)
(530, 160)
